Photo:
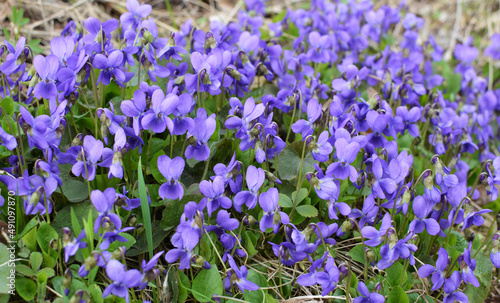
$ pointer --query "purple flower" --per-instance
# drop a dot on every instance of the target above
(304, 127)
(157, 118)
(368, 212)
(122, 280)
(135, 109)
(421, 209)
(72, 245)
(346, 153)
(438, 272)
(309, 279)
(255, 178)
(136, 12)
(450, 287)
(172, 170)
(272, 214)
(329, 278)
(110, 66)
(92, 151)
(98, 33)
(374, 235)
(47, 68)
(214, 195)
(239, 277)
(7, 140)
(203, 130)
(184, 241)
(182, 123)
(149, 270)
(224, 222)
(473, 217)
(14, 61)
(103, 202)
(321, 149)
(318, 51)
(113, 235)
(366, 296)
(467, 266)
(395, 249)
(347, 85)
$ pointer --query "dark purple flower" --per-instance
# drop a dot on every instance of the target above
(172, 170)
(88, 155)
(14, 61)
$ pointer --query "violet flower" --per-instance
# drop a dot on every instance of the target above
(329, 278)
(157, 118)
(255, 178)
(172, 170)
(367, 296)
(272, 214)
(438, 272)
(203, 130)
(214, 195)
(122, 280)
(238, 276)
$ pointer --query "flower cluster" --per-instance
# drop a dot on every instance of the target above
(257, 136)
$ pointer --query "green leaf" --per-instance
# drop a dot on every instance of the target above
(174, 210)
(307, 211)
(289, 162)
(154, 168)
(250, 241)
(285, 201)
(36, 259)
(64, 217)
(6, 275)
(393, 274)
(32, 223)
(24, 270)
(357, 253)
(141, 245)
(206, 284)
(44, 235)
(8, 105)
(26, 288)
(256, 295)
(96, 293)
(483, 272)
(47, 271)
(301, 197)
(184, 286)
(397, 295)
(145, 209)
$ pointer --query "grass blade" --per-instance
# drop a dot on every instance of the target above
(145, 209)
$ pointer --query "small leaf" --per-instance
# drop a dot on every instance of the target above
(48, 271)
(394, 274)
(44, 235)
(207, 283)
(301, 197)
(145, 209)
(8, 105)
(397, 295)
(36, 259)
(307, 211)
(357, 253)
(285, 201)
(26, 288)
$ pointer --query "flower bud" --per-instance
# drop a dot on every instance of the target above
(370, 256)
(148, 36)
(234, 73)
(67, 281)
(80, 296)
(271, 177)
(343, 271)
(90, 263)
(250, 220)
(119, 253)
